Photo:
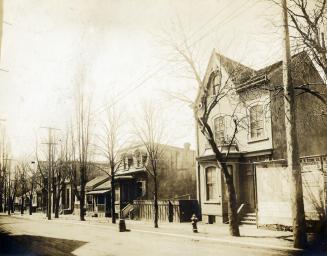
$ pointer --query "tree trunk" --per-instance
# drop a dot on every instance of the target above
(155, 201)
(57, 204)
(22, 206)
(1, 201)
(31, 204)
(54, 194)
(232, 202)
(12, 204)
(232, 206)
(82, 194)
(9, 205)
(293, 157)
(113, 212)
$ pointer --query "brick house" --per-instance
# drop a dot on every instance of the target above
(258, 98)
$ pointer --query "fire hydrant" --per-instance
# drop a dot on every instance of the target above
(194, 221)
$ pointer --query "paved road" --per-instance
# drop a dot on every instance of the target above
(41, 237)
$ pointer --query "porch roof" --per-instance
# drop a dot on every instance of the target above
(97, 192)
(105, 185)
(124, 177)
(130, 171)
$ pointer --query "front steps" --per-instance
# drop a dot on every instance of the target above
(249, 219)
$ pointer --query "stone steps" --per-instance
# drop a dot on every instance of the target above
(249, 219)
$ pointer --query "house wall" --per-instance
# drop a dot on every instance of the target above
(238, 105)
(176, 173)
(217, 208)
(311, 124)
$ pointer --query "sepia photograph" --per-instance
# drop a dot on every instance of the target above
(163, 127)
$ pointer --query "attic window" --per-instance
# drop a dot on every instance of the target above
(216, 82)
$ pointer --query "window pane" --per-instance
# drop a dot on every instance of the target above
(211, 183)
(256, 121)
(219, 126)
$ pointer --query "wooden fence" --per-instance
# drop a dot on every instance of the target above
(168, 210)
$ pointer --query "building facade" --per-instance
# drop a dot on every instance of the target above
(255, 99)
(176, 178)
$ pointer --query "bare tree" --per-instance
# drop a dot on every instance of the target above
(110, 146)
(62, 171)
(41, 178)
(82, 137)
(32, 179)
(308, 19)
(22, 177)
(150, 131)
(206, 101)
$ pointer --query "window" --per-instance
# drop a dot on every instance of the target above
(117, 194)
(123, 160)
(130, 161)
(256, 121)
(140, 186)
(219, 126)
(211, 183)
(137, 156)
(144, 159)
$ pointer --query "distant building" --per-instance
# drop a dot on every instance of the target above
(176, 176)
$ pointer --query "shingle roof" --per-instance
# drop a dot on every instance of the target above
(241, 74)
(238, 72)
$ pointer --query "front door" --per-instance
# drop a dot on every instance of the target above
(248, 188)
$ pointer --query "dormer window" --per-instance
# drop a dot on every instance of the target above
(219, 127)
(137, 156)
(123, 160)
(129, 161)
(144, 159)
(256, 122)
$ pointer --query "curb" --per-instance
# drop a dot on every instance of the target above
(196, 237)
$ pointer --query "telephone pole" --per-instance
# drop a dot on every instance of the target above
(49, 143)
(293, 157)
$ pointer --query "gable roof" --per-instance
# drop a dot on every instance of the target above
(238, 72)
(244, 77)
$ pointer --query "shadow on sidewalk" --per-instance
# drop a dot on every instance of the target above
(286, 238)
(36, 245)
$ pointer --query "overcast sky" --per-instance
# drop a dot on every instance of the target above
(48, 44)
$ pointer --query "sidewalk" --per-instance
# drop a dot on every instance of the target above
(250, 235)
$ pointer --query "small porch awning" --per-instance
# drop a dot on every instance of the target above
(98, 192)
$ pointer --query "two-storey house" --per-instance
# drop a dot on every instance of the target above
(176, 178)
(255, 99)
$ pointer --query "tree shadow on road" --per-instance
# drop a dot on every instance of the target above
(36, 245)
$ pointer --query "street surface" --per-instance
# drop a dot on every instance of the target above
(21, 236)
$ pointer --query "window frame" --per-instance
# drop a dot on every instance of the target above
(222, 139)
(214, 183)
(263, 127)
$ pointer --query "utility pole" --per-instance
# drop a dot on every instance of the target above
(3, 187)
(293, 157)
(49, 143)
